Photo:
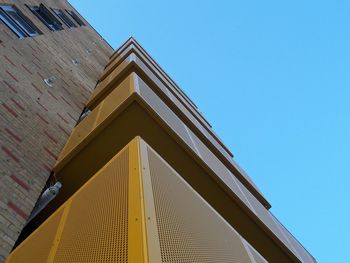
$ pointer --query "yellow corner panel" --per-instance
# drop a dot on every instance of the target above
(101, 222)
(190, 230)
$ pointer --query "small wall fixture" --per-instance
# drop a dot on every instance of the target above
(49, 81)
(48, 195)
(75, 62)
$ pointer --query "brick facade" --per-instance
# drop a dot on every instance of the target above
(35, 119)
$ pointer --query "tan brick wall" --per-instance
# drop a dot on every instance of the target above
(35, 120)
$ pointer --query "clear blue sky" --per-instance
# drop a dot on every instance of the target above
(273, 78)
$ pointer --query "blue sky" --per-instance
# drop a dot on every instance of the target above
(273, 78)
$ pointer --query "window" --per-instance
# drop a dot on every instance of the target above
(69, 23)
(76, 18)
(17, 22)
(46, 17)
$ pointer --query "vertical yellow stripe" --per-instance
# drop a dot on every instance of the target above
(136, 237)
(142, 201)
(59, 232)
(151, 230)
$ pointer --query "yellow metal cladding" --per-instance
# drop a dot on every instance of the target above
(111, 78)
(95, 118)
(38, 248)
(189, 229)
(96, 229)
(135, 209)
(102, 222)
(60, 229)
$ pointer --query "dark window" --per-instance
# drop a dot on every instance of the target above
(69, 23)
(76, 18)
(17, 22)
(46, 17)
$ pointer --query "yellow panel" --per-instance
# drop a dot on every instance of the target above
(96, 229)
(93, 121)
(104, 86)
(189, 229)
(37, 247)
(79, 132)
(116, 97)
(104, 221)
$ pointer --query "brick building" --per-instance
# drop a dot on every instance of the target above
(47, 73)
(144, 176)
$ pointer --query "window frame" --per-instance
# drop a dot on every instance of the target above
(21, 29)
(75, 17)
(63, 17)
(40, 11)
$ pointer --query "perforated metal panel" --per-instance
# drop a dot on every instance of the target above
(188, 136)
(97, 116)
(38, 248)
(192, 140)
(220, 170)
(92, 226)
(96, 229)
(212, 162)
(116, 98)
(164, 112)
(79, 133)
(189, 229)
(105, 84)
